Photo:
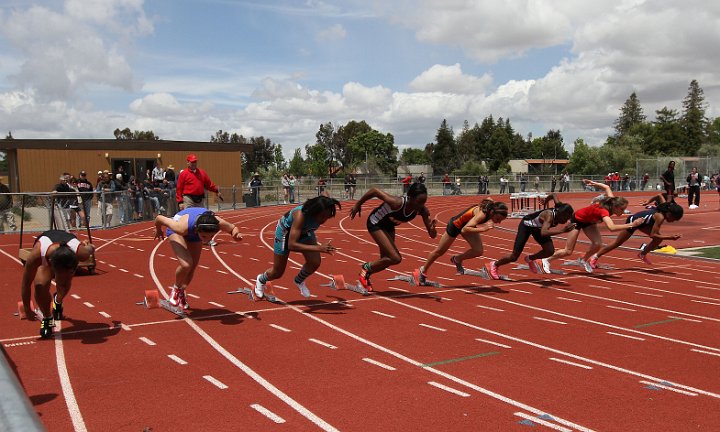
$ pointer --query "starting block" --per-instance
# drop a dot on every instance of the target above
(152, 301)
(485, 274)
(21, 310)
(526, 267)
(576, 263)
(411, 281)
(247, 291)
(337, 282)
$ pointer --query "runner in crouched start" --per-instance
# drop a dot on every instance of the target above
(469, 224)
(382, 222)
(186, 232)
(587, 219)
(296, 232)
(652, 220)
(541, 225)
(54, 256)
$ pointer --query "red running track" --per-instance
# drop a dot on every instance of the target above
(632, 348)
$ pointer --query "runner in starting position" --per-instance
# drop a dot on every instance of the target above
(54, 256)
(186, 232)
(469, 224)
(382, 222)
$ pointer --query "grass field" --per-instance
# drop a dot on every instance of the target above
(711, 252)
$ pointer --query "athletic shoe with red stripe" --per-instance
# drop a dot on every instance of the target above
(182, 299)
(493, 271)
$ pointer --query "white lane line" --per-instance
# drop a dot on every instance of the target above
(193, 296)
(217, 383)
(542, 422)
(549, 320)
(448, 389)
(125, 327)
(147, 341)
(161, 255)
(105, 314)
(177, 359)
(684, 319)
(444, 278)
(275, 326)
(400, 289)
(267, 413)
(621, 308)
(203, 267)
(571, 363)
(138, 275)
(656, 281)
(704, 302)
(340, 260)
(569, 299)
(282, 287)
(140, 250)
(520, 291)
(668, 387)
(600, 287)
(254, 259)
(708, 288)
(68, 393)
(123, 270)
(88, 304)
(325, 344)
(216, 304)
(492, 343)
(221, 271)
(383, 314)
(704, 352)
(648, 294)
(432, 327)
(75, 296)
(112, 265)
(625, 336)
(377, 363)
(490, 308)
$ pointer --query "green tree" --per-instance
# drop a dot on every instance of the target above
(631, 114)
(297, 165)
(127, 134)
(585, 159)
(414, 156)
(668, 134)
(279, 161)
(445, 157)
(262, 155)
(693, 120)
(227, 138)
(379, 149)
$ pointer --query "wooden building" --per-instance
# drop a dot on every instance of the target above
(34, 165)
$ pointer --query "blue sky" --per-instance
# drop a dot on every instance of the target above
(185, 69)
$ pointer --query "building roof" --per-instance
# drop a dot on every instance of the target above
(96, 144)
(547, 161)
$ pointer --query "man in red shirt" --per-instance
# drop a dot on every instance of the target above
(406, 183)
(191, 185)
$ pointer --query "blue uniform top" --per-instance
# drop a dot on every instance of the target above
(307, 233)
(193, 213)
(647, 216)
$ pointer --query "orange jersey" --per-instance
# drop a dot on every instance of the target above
(463, 218)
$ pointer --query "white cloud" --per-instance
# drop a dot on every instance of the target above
(164, 105)
(450, 79)
(336, 32)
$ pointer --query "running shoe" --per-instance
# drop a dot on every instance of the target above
(532, 265)
(594, 261)
(303, 289)
(643, 257)
(365, 277)
(46, 328)
(182, 299)
(174, 296)
(259, 287)
(546, 265)
(57, 309)
(458, 265)
(586, 265)
(419, 277)
(212, 243)
(493, 271)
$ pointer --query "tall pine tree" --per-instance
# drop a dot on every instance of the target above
(693, 120)
(631, 114)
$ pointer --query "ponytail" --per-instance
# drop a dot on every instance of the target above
(671, 208)
(490, 208)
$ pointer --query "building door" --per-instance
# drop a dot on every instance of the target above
(127, 165)
(143, 168)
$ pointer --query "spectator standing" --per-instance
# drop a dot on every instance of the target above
(553, 183)
(86, 196)
(158, 174)
(421, 178)
(668, 179)
(285, 182)
(486, 184)
(191, 185)
(321, 183)
(503, 184)
(406, 183)
(75, 208)
(626, 182)
(124, 196)
(537, 183)
(446, 184)
(693, 181)
(63, 201)
(292, 181)
(523, 182)
(480, 185)
(566, 177)
(644, 182)
(106, 186)
(6, 204)
(170, 175)
(346, 184)
(353, 185)
(458, 183)
(255, 187)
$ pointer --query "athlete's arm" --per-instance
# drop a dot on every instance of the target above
(655, 232)
(430, 225)
(612, 226)
(178, 226)
(472, 225)
(32, 263)
(294, 243)
(607, 190)
(395, 202)
(230, 229)
(547, 219)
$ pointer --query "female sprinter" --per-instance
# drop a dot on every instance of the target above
(54, 256)
(296, 232)
(652, 220)
(187, 231)
(469, 224)
(586, 219)
(538, 225)
(382, 221)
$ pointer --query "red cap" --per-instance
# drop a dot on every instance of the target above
(192, 158)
